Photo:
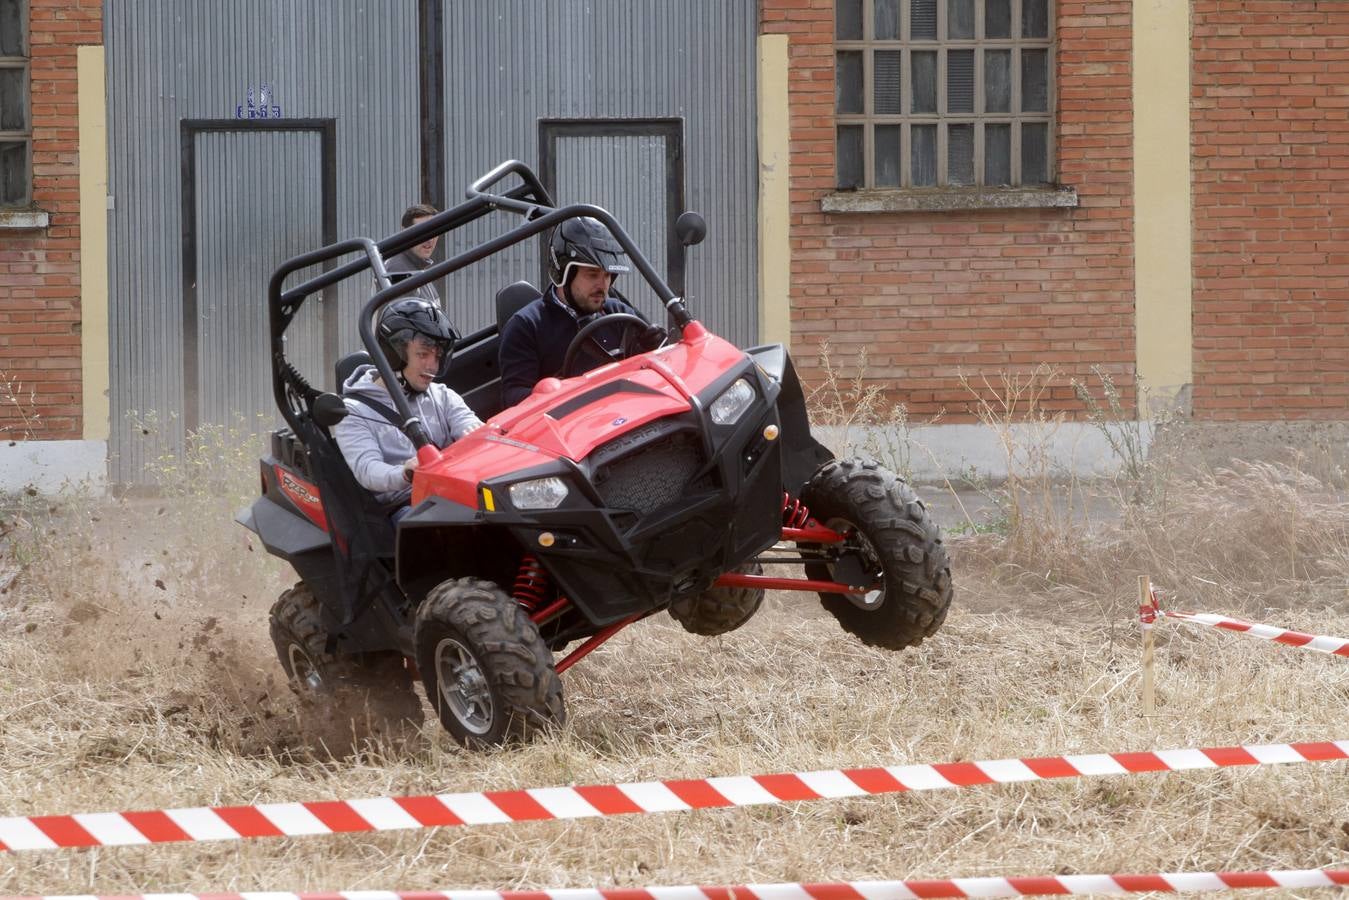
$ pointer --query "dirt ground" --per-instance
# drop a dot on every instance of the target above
(136, 673)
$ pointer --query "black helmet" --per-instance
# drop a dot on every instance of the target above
(583, 242)
(402, 320)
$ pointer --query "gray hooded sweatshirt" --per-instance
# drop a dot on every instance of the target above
(376, 449)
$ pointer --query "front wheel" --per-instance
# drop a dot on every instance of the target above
(334, 679)
(891, 547)
(487, 672)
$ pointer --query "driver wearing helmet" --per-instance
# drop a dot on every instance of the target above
(583, 262)
(418, 340)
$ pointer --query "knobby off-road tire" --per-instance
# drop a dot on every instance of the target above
(900, 543)
(343, 682)
(720, 609)
(487, 672)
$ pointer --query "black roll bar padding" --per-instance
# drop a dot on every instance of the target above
(527, 230)
(279, 317)
(412, 426)
(280, 309)
(540, 215)
(478, 189)
(450, 219)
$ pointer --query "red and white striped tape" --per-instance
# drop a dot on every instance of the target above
(1026, 886)
(1324, 643)
(492, 807)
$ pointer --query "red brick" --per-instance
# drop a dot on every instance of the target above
(39, 270)
(1269, 309)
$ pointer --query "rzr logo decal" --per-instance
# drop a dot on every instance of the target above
(303, 496)
(297, 490)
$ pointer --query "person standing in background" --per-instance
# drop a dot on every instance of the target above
(418, 256)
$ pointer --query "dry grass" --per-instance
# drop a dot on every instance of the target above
(135, 673)
(19, 418)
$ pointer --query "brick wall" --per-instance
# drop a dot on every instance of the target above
(1270, 132)
(933, 294)
(40, 269)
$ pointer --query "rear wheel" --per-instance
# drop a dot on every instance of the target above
(720, 609)
(315, 674)
(486, 670)
(892, 547)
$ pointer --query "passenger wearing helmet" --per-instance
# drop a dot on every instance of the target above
(418, 340)
(583, 262)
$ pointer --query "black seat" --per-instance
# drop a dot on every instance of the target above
(348, 364)
(513, 298)
(360, 504)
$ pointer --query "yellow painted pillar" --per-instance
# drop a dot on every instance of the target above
(775, 248)
(93, 118)
(1162, 212)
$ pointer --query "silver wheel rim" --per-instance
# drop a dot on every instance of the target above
(302, 668)
(872, 599)
(463, 686)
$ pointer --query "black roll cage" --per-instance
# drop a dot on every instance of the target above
(530, 199)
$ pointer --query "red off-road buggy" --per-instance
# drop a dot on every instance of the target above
(663, 480)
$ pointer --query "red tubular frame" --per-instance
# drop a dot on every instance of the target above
(797, 526)
(550, 611)
(595, 640)
(813, 533)
(736, 579)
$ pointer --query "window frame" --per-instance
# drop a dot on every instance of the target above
(24, 63)
(979, 118)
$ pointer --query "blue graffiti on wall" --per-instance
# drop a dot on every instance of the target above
(259, 106)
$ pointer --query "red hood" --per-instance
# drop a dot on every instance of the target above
(571, 418)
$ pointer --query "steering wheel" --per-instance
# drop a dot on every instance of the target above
(633, 326)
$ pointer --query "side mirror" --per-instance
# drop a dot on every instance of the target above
(328, 410)
(690, 228)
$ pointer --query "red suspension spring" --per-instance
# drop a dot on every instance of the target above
(794, 512)
(531, 584)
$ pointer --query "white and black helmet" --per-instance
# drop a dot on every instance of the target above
(583, 242)
(408, 318)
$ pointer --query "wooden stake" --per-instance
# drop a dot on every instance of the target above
(1145, 599)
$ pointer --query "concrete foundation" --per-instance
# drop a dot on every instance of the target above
(50, 466)
(927, 453)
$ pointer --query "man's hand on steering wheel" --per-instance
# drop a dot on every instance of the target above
(638, 336)
(652, 339)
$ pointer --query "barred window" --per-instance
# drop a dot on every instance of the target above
(944, 93)
(16, 129)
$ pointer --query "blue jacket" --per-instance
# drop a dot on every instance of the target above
(536, 338)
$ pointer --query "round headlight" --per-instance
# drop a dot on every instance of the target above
(731, 405)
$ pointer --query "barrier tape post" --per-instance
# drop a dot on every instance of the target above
(1147, 618)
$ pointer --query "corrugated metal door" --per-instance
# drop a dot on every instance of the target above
(638, 202)
(351, 63)
(259, 201)
(510, 66)
(513, 66)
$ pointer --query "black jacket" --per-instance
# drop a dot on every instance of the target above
(536, 338)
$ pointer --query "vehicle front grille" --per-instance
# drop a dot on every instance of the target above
(651, 477)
